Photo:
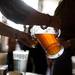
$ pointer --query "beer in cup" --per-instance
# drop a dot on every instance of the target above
(48, 40)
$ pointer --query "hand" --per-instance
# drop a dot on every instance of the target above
(56, 22)
(11, 44)
(26, 39)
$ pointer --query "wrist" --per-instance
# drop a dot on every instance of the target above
(49, 18)
(16, 34)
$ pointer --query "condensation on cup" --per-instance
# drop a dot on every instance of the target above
(49, 40)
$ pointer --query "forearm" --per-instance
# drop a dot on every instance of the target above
(21, 13)
(8, 31)
(38, 19)
(23, 37)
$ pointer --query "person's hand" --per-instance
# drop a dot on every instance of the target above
(56, 22)
(11, 44)
(26, 39)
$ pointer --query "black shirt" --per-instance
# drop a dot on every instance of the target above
(66, 11)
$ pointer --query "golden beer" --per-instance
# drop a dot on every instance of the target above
(48, 39)
(49, 43)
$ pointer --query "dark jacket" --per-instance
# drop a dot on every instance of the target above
(66, 11)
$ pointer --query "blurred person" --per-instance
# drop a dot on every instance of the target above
(66, 12)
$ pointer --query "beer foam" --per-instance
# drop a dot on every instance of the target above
(38, 30)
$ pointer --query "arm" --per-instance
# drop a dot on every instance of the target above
(16, 34)
(7, 31)
(19, 12)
